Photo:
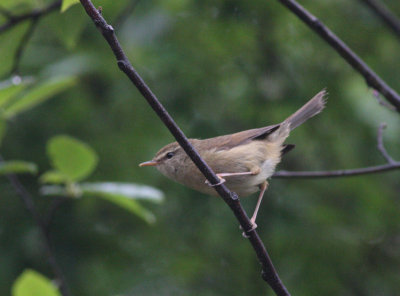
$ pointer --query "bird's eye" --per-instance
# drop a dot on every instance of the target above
(170, 155)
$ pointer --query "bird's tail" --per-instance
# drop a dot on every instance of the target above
(311, 108)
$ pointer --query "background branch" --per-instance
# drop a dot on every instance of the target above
(371, 78)
(391, 165)
(28, 202)
(385, 14)
(381, 146)
(269, 273)
(337, 173)
(34, 14)
(22, 45)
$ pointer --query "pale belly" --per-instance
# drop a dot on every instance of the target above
(242, 185)
(261, 163)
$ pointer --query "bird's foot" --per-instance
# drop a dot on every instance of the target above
(253, 227)
(221, 181)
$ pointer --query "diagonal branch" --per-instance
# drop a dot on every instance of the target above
(269, 273)
(34, 14)
(385, 14)
(389, 166)
(27, 200)
(371, 78)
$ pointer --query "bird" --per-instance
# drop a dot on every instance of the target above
(244, 161)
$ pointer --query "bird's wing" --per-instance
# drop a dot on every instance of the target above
(229, 141)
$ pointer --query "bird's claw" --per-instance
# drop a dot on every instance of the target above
(221, 181)
(253, 227)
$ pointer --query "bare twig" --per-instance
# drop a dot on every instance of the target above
(36, 13)
(337, 173)
(380, 145)
(269, 273)
(390, 166)
(22, 45)
(372, 79)
(385, 14)
(30, 206)
(381, 102)
(55, 204)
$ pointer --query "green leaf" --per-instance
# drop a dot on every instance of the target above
(17, 167)
(39, 94)
(53, 190)
(67, 4)
(62, 29)
(32, 283)
(53, 177)
(123, 195)
(129, 190)
(69, 190)
(12, 4)
(71, 157)
(10, 88)
(128, 204)
(9, 42)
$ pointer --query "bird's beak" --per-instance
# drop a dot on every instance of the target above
(148, 163)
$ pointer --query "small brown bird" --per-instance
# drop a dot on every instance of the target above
(246, 159)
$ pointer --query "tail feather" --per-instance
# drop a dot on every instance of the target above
(311, 108)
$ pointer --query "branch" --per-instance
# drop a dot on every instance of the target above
(338, 173)
(371, 78)
(22, 45)
(389, 166)
(385, 14)
(34, 14)
(380, 145)
(381, 102)
(30, 206)
(269, 273)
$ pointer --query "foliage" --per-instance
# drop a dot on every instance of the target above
(219, 67)
(33, 283)
(67, 4)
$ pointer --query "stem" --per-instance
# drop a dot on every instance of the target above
(385, 14)
(30, 206)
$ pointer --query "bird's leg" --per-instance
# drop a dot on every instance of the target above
(222, 180)
(263, 188)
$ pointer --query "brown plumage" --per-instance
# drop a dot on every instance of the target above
(245, 160)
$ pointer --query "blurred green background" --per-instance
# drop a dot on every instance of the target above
(218, 67)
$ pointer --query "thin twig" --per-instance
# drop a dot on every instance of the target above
(269, 273)
(381, 102)
(390, 166)
(337, 173)
(385, 14)
(22, 45)
(371, 78)
(381, 146)
(57, 201)
(27, 200)
(36, 13)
